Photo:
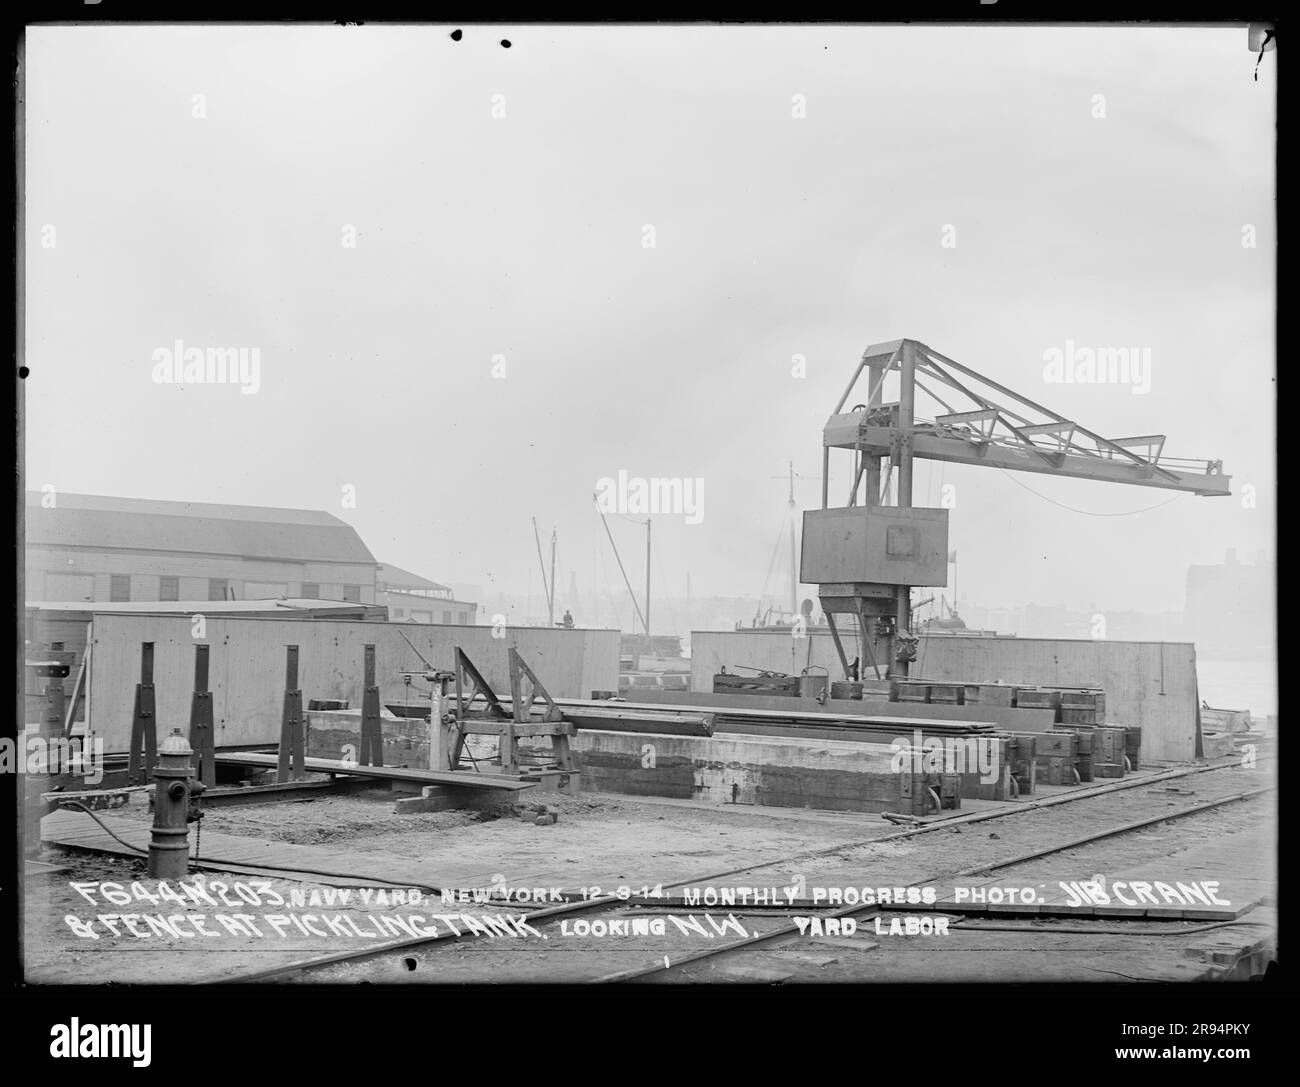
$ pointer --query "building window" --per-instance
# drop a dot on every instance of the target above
(169, 588)
(310, 590)
(119, 587)
(352, 594)
(446, 617)
(462, 617)
(399, 612)
(217, 588)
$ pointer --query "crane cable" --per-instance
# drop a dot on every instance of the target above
(1088, 513)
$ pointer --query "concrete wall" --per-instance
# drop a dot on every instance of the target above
(247, 666)
(775, 771)
(729, 769)
(1150, 684)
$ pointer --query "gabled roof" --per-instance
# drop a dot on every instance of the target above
(389, 576)
(204, 607)
(136, 524)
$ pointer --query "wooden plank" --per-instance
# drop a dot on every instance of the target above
(840, 709)
(633, 722)
(267, 794)
(731, 711)
(484, 727)
(393, 773)
(632, 716)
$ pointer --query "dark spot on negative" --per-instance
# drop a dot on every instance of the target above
(455, 35)
(505, 43)
(23, 371)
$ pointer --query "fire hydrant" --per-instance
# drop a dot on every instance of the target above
(175, 807)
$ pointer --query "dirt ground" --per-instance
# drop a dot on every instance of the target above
(603, 837)
(642, 841)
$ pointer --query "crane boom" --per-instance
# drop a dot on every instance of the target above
(999, 428)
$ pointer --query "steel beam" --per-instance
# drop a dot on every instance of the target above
(995, 455)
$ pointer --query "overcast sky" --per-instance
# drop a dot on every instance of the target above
(202, 184)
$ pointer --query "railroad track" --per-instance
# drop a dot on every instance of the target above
(1084, 816)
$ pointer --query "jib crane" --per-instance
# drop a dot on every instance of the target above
(866, 555)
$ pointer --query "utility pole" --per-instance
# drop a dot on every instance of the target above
(547, 587)
(550, 595)
(647, 585)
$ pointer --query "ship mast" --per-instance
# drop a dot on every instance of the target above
(794, 551)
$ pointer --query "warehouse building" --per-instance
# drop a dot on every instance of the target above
(411, 598)
(91, 548)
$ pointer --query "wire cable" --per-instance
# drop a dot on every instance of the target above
(1088, 513)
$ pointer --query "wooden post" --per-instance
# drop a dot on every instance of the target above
(507, 747)
(144, 739)
(290, 766)
(372, 736)
(201, 721)
(438, 746)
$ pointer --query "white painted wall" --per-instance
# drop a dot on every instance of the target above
(247, 666)
(48, 570)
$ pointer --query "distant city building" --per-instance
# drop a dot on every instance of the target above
(1231, 608)
(93, 548)
(411, 598)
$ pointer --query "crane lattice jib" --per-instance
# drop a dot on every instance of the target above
(984, 423)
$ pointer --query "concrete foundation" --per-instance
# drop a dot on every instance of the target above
(771, 771)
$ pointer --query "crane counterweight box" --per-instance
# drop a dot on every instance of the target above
(887, 545)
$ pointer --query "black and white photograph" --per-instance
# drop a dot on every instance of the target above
(706, 505)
